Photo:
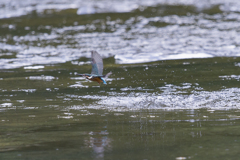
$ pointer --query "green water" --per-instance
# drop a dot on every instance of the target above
(98, 134)
(161, 102)
(46, 124)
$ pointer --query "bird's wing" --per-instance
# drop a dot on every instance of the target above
(97, 63)
(106, 76)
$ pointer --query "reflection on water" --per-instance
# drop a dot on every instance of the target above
(100, 144)
(101, 135)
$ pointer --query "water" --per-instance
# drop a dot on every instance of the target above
(173, 93)
(99, 134)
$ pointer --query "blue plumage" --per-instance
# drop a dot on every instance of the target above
(97, 69)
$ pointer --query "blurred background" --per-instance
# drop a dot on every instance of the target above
(173, 93)
(48, 31)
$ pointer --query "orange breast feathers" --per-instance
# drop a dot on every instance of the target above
(97, 79)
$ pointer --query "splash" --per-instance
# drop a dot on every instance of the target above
(171, 97)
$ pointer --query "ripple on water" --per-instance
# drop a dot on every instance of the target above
(230, 77)
(135, 39)
(18, 8)
(168, 99)
(34, 67)
(42, 77)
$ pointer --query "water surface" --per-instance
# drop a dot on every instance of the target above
(173, 93)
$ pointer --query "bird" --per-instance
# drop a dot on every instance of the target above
(97, 69)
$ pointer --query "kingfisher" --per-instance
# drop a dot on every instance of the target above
(97, 69)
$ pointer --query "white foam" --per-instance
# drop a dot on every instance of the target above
(150, 57)
(230, 77)
(42, 77)
(24, 90)
(34, 67)
(15, 8)
(133, 40)
(6, 104)
(168, 99)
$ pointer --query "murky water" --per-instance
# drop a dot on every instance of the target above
(173, 93)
